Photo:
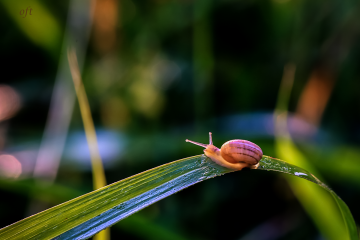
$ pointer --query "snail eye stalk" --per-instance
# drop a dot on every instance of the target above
(196, 143)
(202, 144)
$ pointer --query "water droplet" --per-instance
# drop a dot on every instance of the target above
(300, 174)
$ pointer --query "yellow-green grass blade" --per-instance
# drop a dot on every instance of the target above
(88, 214)
(99, 179)
(272, 164)
(319, 205)
(56, 194)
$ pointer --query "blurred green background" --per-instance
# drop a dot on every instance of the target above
(159, 71)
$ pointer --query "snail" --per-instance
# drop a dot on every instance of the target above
(234, 154)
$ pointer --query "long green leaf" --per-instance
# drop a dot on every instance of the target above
(88, 214)
(56, 194)
(272, 164)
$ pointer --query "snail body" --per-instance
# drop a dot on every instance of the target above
(234, 154)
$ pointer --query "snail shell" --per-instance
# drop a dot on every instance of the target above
(234, 154)
(241, 151)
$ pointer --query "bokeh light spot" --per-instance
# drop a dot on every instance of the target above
(9, 102)
(10, 167)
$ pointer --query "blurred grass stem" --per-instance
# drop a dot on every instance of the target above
(99, 180)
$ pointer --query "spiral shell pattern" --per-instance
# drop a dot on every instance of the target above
(242, 151)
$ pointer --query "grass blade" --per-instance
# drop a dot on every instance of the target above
(55, 194)
(319, 205)
(88, 214)
(272, 164)
(99, 179)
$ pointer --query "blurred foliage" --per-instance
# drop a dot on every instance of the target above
(157, 72)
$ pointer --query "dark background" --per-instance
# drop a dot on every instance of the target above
(157, 72)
